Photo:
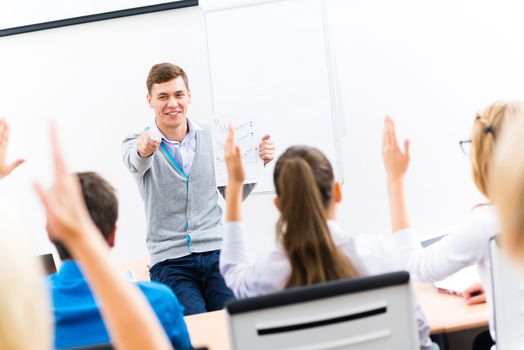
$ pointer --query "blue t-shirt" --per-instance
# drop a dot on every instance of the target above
(79, 323)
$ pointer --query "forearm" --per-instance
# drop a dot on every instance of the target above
(234, 202)
(397, 205)
(235, 265)
(129, 318)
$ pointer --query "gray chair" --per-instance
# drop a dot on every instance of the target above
(508, 299)
(367, 313)
(48, 263)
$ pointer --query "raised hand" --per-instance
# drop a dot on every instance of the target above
(129, 318)
(396, 161)
(67, 214)
(236, 177)
(6, 169)
(266, 149)
(146, 144)
(233, 157)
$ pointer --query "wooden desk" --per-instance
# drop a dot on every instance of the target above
(209, 330)
(445, 313)
(139, 267)
(449, 313)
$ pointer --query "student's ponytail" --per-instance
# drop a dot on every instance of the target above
(304, 181)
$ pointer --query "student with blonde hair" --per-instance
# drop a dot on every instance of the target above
(467, 243)
(25, 322)
(508, 188)
(312, 248)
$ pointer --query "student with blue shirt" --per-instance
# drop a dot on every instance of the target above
(173, 165)
(76, 311)
(24, 320)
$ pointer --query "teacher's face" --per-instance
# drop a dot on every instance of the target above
(170, 101)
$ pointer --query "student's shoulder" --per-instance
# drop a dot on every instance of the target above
(481, 223)
(372, 243)
(486, 216)
(377, 253)
(158, 293)
(154, 287)
(51, 281)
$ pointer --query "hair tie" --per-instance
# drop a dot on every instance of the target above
(489, 130)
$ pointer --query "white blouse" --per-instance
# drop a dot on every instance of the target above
(464, 245)
(369, 254)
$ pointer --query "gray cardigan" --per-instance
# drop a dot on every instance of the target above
(182, 215)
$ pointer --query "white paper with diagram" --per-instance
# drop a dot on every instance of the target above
(246, 138)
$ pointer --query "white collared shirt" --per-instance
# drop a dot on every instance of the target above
(369, 254)
(183, 152)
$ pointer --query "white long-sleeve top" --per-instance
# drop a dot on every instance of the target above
(464, 245)
(369, 254)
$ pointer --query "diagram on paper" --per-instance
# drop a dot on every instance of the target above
(246, 139)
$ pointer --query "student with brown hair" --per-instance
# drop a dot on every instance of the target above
(77, 312)
(304, 184)
(467, 243)
(24, 320)
(126, 313)
(312, 248)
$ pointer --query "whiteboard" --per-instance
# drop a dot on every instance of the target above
(270, 63)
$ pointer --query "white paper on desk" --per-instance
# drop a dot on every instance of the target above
(246, 138)
(459, 281)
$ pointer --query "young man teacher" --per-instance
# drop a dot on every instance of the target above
(173, 165)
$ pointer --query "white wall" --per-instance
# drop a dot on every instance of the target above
(57, 74)
(430, 64)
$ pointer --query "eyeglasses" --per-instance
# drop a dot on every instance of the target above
(465, 146)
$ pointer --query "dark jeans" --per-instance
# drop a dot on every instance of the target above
(196, 281)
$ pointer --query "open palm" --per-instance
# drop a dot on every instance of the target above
(6, 169)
